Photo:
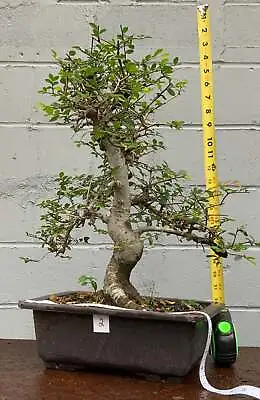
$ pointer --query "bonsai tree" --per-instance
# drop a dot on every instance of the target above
(110, 100)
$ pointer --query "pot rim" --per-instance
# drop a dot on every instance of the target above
(40, 304)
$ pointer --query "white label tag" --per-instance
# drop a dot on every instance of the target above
(101, 323)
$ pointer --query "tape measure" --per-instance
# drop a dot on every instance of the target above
(209, 144)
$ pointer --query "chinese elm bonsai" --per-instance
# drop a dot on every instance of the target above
(110, 100)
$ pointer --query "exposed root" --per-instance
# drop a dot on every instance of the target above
(117, 278)
(122, 294)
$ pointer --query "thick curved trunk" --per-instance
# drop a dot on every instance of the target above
(117, 279)
(128, 247)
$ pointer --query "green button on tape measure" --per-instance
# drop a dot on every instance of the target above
(224, 327)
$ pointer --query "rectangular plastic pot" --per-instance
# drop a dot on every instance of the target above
(138, 342)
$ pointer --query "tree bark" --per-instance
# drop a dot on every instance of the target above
(128, 246)
(117, 278)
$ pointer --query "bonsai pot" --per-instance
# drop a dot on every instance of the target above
(100, 337)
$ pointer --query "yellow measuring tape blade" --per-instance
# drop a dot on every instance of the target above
(209, 143)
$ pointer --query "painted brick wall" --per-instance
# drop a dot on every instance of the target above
(32, 151)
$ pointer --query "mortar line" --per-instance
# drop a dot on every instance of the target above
(83, 3)
(242, 4)
(4, 244)
(163, 3)
(129, 4)
(244, 308)
(189, 64)
(108, 246)
(16, 63)
(38, 125)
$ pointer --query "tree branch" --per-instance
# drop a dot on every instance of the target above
(186, 235)
(88, 213)
(79, 220)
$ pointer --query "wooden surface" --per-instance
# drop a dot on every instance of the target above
(23, 377)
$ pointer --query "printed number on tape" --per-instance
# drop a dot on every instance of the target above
(101, 323)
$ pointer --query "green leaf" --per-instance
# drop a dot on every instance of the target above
(181, 84)
(219, 251)
(251, 259)
(27, 260)
(157, 52)
(54, 118)
(171, 92)
(131, 67)
(165, 56)
(167, 69)
(175, 124)
(88, 280)
(150, 240)
(40, 105)
(54, 54)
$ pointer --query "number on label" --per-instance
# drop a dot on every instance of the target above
(101, 323)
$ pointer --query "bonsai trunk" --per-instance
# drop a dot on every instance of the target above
(128, 247)
(117, 278)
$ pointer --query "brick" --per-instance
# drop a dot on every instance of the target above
(17, 324)
(41, 152)
(237, 95)
(183, 272)
(237, 152)
(175, 28)
(19, 92)
(27, 33)
(242, 33)
(245, 322)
